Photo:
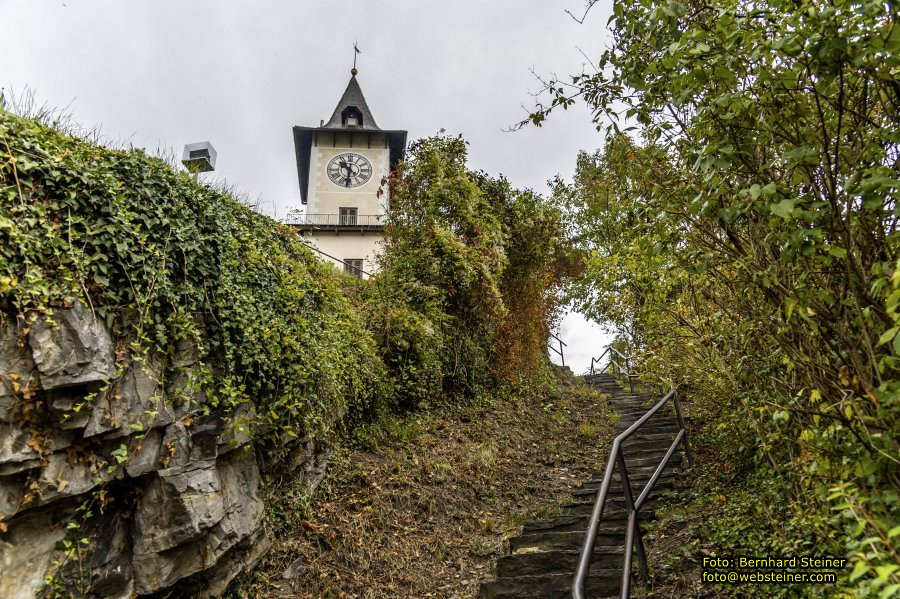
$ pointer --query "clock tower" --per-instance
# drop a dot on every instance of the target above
(341, 165)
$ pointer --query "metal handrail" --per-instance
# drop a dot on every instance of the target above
(617, 458)
(562, 344)
(619, 370)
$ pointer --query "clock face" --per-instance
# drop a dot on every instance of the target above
(349, 170)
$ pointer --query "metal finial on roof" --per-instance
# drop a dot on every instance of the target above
(356, 51)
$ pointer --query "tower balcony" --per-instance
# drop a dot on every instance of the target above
(360, 223)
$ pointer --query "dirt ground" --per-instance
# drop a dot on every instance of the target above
(422, 506)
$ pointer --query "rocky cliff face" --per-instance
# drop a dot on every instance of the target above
(111, 483)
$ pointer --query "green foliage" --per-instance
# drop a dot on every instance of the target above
(444, 250)
(175, 264)
(749, 242)
(476, 262)
(408, 340)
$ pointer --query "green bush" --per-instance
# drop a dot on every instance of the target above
(480, 262)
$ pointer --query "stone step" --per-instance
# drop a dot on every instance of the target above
(641, 405)
(639, 445)
(601, 583)
(639, 467)
(613, 500)
(615, 507)
(643, 436)
(559, 561)
(628, 400)
(635, 411)
(613, 520)
(664, 481)
(589, 494)
(567, 539)
(592, 486)
(649, 428)
(639, 411)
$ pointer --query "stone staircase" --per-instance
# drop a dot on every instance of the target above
(543, 559)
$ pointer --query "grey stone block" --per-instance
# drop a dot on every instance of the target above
(16, 366)
(178, 506)
(145, 454)
(26, 553)
(132, 404)
(71, 348)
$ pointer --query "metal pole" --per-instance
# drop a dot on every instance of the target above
(626, 568)
(687, 449)
(629, 500)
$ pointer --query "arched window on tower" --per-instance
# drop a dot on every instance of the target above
(351, 117)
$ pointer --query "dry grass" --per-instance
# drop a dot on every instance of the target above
(426, 509)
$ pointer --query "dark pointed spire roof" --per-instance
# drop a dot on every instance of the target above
(353, 96)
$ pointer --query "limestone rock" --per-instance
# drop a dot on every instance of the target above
(73, 411)
(214, 581)
(16, 467)
(12, 490)
(183, 512)
(236, 429)
(312, 461)
(16, 366)
(177, 506)
(14, 444)
(243, 510)
(26, 553)
(133, 404)
(64, 476)
(71, 348)
(110, 560)
(242, 514)
(7, 402)
(294, 570)
(177, 445)
(145, 453)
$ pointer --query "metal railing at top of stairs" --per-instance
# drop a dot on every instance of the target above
(618, 362)
(562, 344)
(633, 535)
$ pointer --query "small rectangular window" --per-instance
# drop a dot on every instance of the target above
(354, 266)
(347, 216)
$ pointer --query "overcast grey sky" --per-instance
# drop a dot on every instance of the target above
(240, 73)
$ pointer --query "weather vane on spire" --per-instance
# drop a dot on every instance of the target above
(356, 51)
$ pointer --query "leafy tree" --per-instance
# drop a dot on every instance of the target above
(750, 239)
(478, 260)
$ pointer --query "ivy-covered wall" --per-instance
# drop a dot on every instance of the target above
(163, 348)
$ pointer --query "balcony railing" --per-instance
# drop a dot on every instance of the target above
(338, 220)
